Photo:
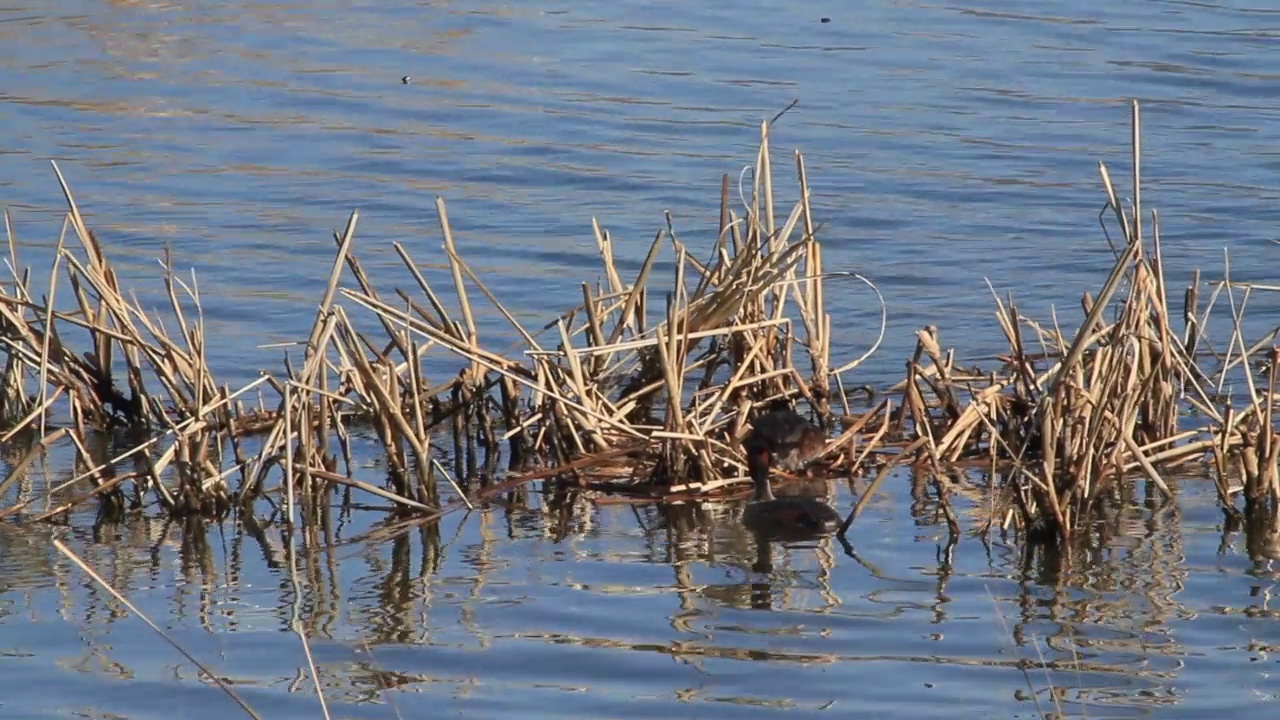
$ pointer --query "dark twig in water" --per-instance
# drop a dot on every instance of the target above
(784, 110)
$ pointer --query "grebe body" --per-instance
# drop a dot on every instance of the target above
(786, 439)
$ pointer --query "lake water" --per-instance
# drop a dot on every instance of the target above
(946, 143)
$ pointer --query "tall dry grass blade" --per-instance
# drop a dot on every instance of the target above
(442, 315)
(1085, 333)
(459, 287)
(605, 245)
(331, 287)
(629, 317)
(77, 221)
(49, 332)
(1136, 129)
(460, 263)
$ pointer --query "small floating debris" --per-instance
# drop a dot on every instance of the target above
(825, 20)
(405, 80)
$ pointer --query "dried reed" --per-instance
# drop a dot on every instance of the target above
(647, 386)
(1071, 417)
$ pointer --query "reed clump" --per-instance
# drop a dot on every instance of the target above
(143, 376)
(636, 388)
(646, 387)
(1068, 418)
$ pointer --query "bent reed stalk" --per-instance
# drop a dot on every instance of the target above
(646, 387)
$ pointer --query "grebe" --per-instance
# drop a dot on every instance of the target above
(785, 438)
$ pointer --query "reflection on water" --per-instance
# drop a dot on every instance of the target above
(550, 606)
(945, 144)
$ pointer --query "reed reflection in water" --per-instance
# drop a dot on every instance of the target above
(546, 593)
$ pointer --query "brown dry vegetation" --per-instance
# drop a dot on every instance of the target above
(645, 388)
